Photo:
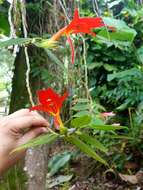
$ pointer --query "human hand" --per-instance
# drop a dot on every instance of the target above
(15, 130)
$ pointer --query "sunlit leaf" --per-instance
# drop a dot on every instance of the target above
(81, 121)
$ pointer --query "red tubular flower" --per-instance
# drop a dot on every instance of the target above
(79, 25)
(50, 102)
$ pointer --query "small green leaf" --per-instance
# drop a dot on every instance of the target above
(82, 100)
(80, 107)
(81, 113)
(52, 182)
(42, 139)
(55, 59)
(81, 121)
(92, 141)
(85, 148)
(106, 127)
(110, 67)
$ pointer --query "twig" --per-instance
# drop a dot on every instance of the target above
(12, 28)
(95, 7)
(64, 10)
(86, 74)
(24, 24)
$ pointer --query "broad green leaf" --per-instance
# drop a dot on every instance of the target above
(42, 139)
(92, 141)
(106, 127)
(129, 72)
(85, 148)
(123, 34)
(97, 121)
(58, 161)
(15, 41)
(81, 121)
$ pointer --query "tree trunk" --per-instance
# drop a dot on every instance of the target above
(19, 96)
(36, 167)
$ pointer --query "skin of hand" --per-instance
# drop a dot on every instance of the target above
(15, 130)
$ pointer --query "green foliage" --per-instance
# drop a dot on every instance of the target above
(39, 42)
(4, 26)
(85, 148)
(43, 139)
(121, 34)
(58, 181)
(92, 141)
(82, 121)
(58, 161)
(128, 91)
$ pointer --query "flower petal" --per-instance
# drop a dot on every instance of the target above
(72, 49)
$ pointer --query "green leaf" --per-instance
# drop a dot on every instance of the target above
(140, 54)
(81, 113)
(109, 67)
(129, 72)
(85, 148)
(92, 141)
(57, 181)
(119, 137)
(55, 59)
(45, 43)
(82, 100)
(122, 36)
(15, 41)
(106, 127)
(97, 121)
(81, 121)
(80, 106)
(42, 139)
(4, 25)
(58, 161)
(114, 3)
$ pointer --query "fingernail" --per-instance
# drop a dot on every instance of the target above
(44, 130)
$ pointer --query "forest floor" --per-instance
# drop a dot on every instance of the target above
(88, 175)
(97, 180)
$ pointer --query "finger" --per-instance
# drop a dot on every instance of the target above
(22, 112)
(19, 113)
(27, 122)
(32, 134)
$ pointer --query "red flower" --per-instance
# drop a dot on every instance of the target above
(50, 102)
(79, 25)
